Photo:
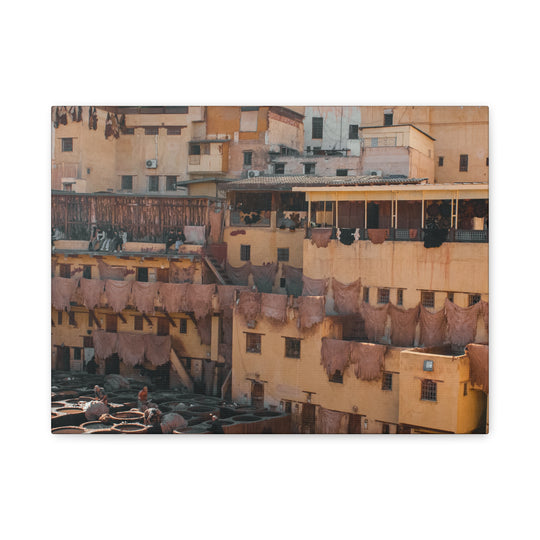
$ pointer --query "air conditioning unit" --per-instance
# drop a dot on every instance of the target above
(375, 173)
(151, 163)
(251, 174)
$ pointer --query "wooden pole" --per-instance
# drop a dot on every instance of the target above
(422, 209)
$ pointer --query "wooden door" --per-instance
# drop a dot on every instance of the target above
(163, 275)
(257, 395)
(308, 418)
(162, 327)
(62, 358)
(111, 323)
(355, 423)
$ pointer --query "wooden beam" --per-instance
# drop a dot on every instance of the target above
(121, 317)
(95, 319)
(147, 319)
(192, 317)
(170, 319)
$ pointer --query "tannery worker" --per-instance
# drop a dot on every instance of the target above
(100, 394)
(142, 399)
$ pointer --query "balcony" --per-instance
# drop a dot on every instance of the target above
(208, 157)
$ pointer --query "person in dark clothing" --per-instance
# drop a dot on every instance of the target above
(171, 239)
(180, 238)
(100, 394)
(91, 366)
(215, 426)
(116, 242)
(152, 418)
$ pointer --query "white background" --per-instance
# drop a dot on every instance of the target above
(271, 53)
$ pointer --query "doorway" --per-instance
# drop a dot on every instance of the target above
(308, 418)
(257, 395)
(62, 358)
(112, 364)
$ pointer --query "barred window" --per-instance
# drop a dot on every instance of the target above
(151, 130)
(129, 131)
(59, 318)
(441, 161)
(253, 343)
(65, 270)
(174, 130)
(171, 183)
(72, 321)
(427, 299)
(153, 183)
(450, 296)
(283, 254)
(353, 131)
(127, 182)
(386, 381)
(194, 149)
(279, 168)
(67, 145)
(463, 163)
(366, 295)
(309, 168)
(342, 172)
(388, 119)
(248, 158)
(183, 326)
(138, 323)
(429, 390)
(337, 377)
(474, 299)
(383, 296)
(292, 348)
(400, 297)
(245, 252)
(76, 353)
(317, 128)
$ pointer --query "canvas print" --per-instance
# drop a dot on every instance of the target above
(269, 269)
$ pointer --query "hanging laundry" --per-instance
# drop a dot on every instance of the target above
(130, 348)
(181, 274)
(346, 236)
(329, 421)
(249, 305)
(200, 299)
(378, 236)
(118, 293)
(435, 237)
(105, 343)
(157, 349)
(91, 290)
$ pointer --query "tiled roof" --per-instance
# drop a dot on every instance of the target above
(292, 181)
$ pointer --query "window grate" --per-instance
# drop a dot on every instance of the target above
(279, 168)
(153, 183)
(427, 299)
(337, 377)
(127, 182)
(292, 348)
(463, 163)
(366, 295)
(383, 296)
(138, 323)
(183, 326)
(67, 145)
(386, 381)
(248, 158)
(151, 130)
(171, 183)
(174, 130)
(317, 128)
(282, 254)
(429, 390)
(253, 343)
(441, 161)
(388, 119)
(474, 299)
(245, 252)
(353, 131)
(400, 297)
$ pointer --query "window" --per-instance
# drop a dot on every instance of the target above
(288, 407)
(248, 159)
(487, 162)
(441, 161)
(309, 168)
(292, 348)
(174, 130)
(337, 377)
(76, 353)
(474, 299)
(429, 390)
(138, 323)
(153, 183)
(386, 428)
(375, 141)
(194, 149)
(87, 272)
(129, 131)
(383, 296)
(342, 172)
(253, 343)
(279, 168)
(464, 388)
(366, 295)
(282, 282)
(400, 297)
(463, 163)
(386, 381)
(353, 131)
(67, 145)
(450, 296)
(90, 323)
(182, 327)
(151, 130)
(59, 318)
(245, 252)
(127, 182)
(316, 128)
(283, 254)
(248, 108)
(171, 183)
(163, 326)
(65, 270)
(427, 298)
(388, 118)
(142, 274)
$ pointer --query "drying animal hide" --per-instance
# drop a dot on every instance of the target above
(368, 360)
(62, 290)
(172, 421)
(293, 279)
(461, 322)
(413, 233)
(346, 297)
(377, 236)
(105, 343)
(94, 409)
(144, 294)
(117, 294)
(249, 305)
(484, 310)
(226, 295)
(329, 421)
(238, 275)
(264, 276)
(321, 237)
(314, 287)
(274, 306)
(335, 355)
(479, 365)
(403, 325)
(204, 328)
(311, 311)
(174, 297)
(91, 290)
(200, 299)
(195, 234)
(157, 349)
(346, 236)
(374, 320)
(215, 225)
(111, 272)
(130, 348)
(181, 274)
(432, 327)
